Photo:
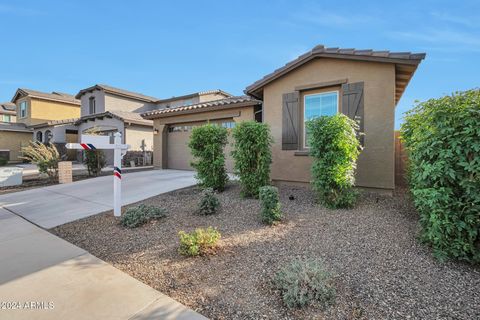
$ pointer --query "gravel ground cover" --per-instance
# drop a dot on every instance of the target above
(380, 269)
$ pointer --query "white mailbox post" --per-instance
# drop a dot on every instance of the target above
(119, 150)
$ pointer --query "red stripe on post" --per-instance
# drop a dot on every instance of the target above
(118, 175)
(84, 146)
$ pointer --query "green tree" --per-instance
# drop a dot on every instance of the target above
(442, 139)
(335, 148)
(252, 155)
(206, 144)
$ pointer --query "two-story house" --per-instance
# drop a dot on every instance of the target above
(8, 112)
(32, 110)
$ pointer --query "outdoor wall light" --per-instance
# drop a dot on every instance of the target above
(155, 131)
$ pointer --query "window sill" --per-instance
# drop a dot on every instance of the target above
(302, 153)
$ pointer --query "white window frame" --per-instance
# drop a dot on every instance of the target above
(23, 114)
(7, 118)
(304, 142)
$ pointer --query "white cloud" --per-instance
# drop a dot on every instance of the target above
(461, 20)
(445, 38)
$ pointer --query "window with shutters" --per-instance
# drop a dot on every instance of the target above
(317, 105)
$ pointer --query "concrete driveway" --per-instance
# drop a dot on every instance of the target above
(51, 206)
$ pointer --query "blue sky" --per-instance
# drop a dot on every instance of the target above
(166, 48)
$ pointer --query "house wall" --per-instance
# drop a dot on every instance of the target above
(376, 162)
(160, 140)
(58, 133)
(99, 96)
(177, 103)
(3, 117)
(40, 111)
(135, 134)
(114, 102)
(14, 141)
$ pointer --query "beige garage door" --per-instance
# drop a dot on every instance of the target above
(178, 152)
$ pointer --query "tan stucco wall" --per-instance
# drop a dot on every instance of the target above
(14, 141)
(40, 111)
(376, 162)
(114, 102)
(160, 140)
(134, 135)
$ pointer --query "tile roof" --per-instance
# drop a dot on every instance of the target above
(338, 53)
(55, 96)
(8, 108)
(55, 123)
(195, 94)
(201, 107)
(117, 91)
(12, 126)
(121, 115)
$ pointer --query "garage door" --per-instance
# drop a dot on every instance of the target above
(178, 152)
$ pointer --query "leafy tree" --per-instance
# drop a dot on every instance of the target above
(252, 155)
(95, 161)
(206, 144)
(442, 139)
(335, 148)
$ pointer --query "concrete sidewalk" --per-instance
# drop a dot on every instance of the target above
(45, 277)
(51, 206)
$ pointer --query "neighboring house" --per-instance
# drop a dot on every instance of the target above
(34, 109)
(8, 112)
(106, 110)
(365, 85)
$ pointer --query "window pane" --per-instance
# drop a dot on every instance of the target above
(317, 105)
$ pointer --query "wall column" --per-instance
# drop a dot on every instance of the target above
(160, 146)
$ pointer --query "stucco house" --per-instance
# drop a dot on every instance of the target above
(8, 112)
(106, 110)
(33, 108)
(365, 85)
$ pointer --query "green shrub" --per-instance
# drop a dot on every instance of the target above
(206, 144)
(209, 203)
(45, 156)
(442, 139)
(334, 147)
(199, 242)
(252, 156)
(95, 161)
(3, 161)
(271, 212)
(137, 216)
(305, 282)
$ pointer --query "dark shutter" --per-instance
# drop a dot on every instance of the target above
(352, 104)
(290, 121)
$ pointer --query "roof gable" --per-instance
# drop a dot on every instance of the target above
(405, 63)
(54, 96)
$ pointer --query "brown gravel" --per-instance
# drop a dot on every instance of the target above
(381, 270)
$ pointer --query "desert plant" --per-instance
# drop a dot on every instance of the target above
(442, 139)
(252, 155)
(305, 282)
(137, 216)
(199, 242)
(45, 156)
(334, 147)
(206, 144)
(271, 212)
(209, 203)
(95, 161)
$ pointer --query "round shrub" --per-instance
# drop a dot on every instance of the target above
(305, 282)
(442, 139)
(334, 147)
(199, 242)
(252, 155)
(206, 144)
(271, 212)
(137, 216)
(209, 203)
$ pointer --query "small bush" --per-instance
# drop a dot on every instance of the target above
(137, 216)
(3, 161)
(271, 212)
(252, 155)
(334, 147)
(95, 161)
(209, 203)
(199, 242)
(442, 139)
(305, 282)
(206, 144)
(45, 156)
